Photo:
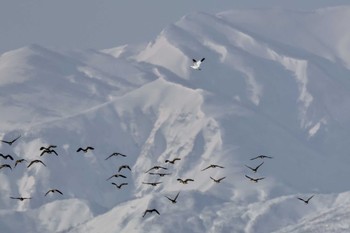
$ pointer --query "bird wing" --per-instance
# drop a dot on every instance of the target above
(39, 161)
(123, 184)
(254, 158)
(150, 169)
(9, 156)
(189, 180)
(194, 60)
(80, 149)
(156, 211)
(259, 165)
(249, 177)
(109, 156)
(206, 168)
(176, 196)
(59, 191)
(202, 59)
(48, 192)
(221, 178)
(310, 198)
(54, 152)
(301, 199)
(90, 148)
(250, 167)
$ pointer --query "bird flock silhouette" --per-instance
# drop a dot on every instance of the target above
(118, 178)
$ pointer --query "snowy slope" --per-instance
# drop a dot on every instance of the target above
(260, 91)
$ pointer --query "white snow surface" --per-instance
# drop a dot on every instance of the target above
(274, 82)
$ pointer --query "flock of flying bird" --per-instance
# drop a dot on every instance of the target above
(51, 150)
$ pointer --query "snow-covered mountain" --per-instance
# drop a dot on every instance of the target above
(274, 82)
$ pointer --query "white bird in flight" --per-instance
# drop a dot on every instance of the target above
(196, 64)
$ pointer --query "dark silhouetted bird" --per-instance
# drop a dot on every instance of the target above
(86, 149)
(156, 168)
(262, 157)
(124, 167)
(6, 156)
(306, 201)
(115, 154)
(173, 200)
(116, 175)
(53, 191)
(48, 151)
(160, 174)
(212, 166)
(119, 186)
(256, 168)
(152, 183)
(253, 179)
(172, 161)
(217, 180)
(19, 161)
(150, 211)
(36, 161)
(11, 142)
(184, 181)
(21, 198)
(5, 165)
(48, 148)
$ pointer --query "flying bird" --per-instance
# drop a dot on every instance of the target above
(21, 198)
(19, 161)
(153, 184)
(6, 156)
(119, 186)
(253, 179)
(217, 180)
(48, 151)
(53, 191)
(36, 161)
(11, 142)
(48, 148)
(212, 166)
(196, 64)
(184, 181)
(115, 154)
(306, 201)
(262, 157)
(173, 200)
(256, 168)
(156, 168)
(160, 174)
(150, 211)
(5, 165)
(116, 175)
(124, 167)
(86, 149)
(172, 161)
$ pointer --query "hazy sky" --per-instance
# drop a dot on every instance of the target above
(102, 24)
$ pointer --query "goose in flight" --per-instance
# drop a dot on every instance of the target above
(21, 198)
(184, 181)
(160, 174)
(6, 156)
(256, 168)
(124, 166)
(48, 148)
(85, 149)
(173, 200)
(156, 168)
(119, 186)
(53, 191)
(262, 157)
(116, 175)
(212, 166)
(253, 179)
(48, 151)
(19, 161)
(115, 154)
(153, 184)
(196, 64)
(11, 142)
(5, 165)
(36, 161)
(150, 211)
(217, 180)
(172, 161)
(306, 201)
